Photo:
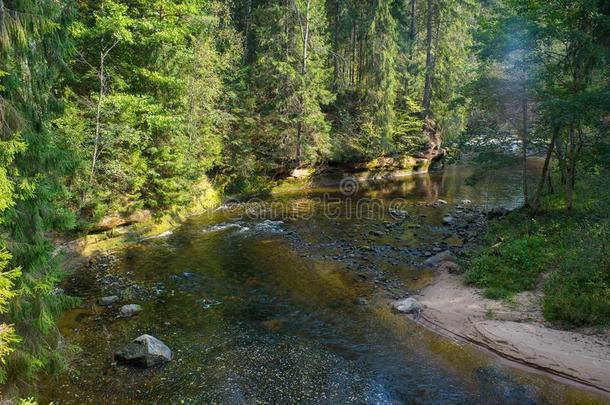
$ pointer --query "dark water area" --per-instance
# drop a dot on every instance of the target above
(286, 300)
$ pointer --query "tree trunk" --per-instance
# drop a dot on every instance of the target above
(286, 39)
(353, 55)
(304, 74)
(98, 115)
(545, 174)
(550, 183)
(336, 45)
(298, 145)
(570, 169)
(561, 159)
(413, 23)
(246, 55)
(361, 40)
(524, 142)
(428, 83)
(305, 38)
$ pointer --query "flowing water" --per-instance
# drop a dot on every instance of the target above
(285, 300)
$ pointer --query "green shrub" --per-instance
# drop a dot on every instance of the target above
(513, 267)
(578, 293)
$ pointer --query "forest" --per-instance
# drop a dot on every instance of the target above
(113, 106)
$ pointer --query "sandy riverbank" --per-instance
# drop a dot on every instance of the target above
(516, 331)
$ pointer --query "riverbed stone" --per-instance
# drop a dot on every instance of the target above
(129, 310)
(445, 255)
(407, 306)
(108, 301)
(448, 220)
(144, 351)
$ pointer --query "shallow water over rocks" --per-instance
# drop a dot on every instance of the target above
(288, 300)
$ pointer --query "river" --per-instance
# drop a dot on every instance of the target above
(286, 300)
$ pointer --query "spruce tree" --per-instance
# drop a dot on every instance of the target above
(33, 46)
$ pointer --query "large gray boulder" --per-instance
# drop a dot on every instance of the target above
(144, 351)
(407, 306)
(443, 256)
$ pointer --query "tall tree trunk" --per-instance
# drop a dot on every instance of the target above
(413, 24)
(352, 72)
(429, 62)
(246, 55)
(561, 159)
(570, 169)
(336, 45)
(304, 74)
(545, 173)
(524, 144)
(298, 145)
(361, 40)
(286, 29)
(305, 38)
(98, 114)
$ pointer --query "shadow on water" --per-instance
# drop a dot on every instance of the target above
(287, 310)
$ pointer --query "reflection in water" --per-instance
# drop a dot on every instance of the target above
(279, 309)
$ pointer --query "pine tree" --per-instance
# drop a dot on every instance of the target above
(291, 81)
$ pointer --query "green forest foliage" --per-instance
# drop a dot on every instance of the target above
(114, 105)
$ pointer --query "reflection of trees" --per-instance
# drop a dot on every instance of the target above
(424, 185)
(432, 185)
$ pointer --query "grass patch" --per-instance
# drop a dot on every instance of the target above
(571, 249)
(512, 267)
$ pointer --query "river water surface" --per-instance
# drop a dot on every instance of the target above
(285, 300)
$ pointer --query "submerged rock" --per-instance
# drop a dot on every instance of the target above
(440, 257)
(407, 306)
(144, 351)
(108, 301)
(129, 310)
(396, 213)
(448, 220)
(207, 303)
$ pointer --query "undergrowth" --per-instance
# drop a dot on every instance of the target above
(567, 254)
